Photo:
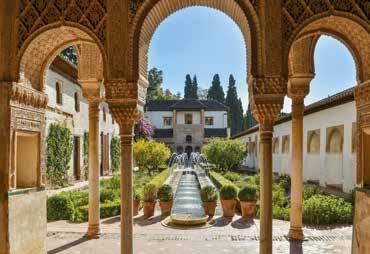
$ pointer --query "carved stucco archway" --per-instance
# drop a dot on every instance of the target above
(40, 49)
(352, 34)
(152, 12)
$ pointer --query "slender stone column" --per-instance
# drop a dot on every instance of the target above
(296, 231)
(126, 192)
(266, 129)
(94, 194)
(298, 88)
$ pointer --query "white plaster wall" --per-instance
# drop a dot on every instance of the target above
(77, 122)
(219, 119)
(156, 118)
(325, 168)
(181, 117)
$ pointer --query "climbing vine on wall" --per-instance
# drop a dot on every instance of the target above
(86, 155)
(115, 154)
(59, 152)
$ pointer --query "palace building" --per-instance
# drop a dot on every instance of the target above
(186, 125)
(329, 142)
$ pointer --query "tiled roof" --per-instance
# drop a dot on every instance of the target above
(163, 133)
(329, 102)
(185, 104)
(221, 133)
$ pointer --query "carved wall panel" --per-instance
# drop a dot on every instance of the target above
(36, 14)
(296, 12)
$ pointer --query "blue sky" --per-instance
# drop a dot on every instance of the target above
(203, 41)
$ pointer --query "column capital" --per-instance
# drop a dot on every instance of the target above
(267, 98)
(126, 115)
(299, 87)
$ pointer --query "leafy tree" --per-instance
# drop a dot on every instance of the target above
(115, 154)
(249, 121)
(235, 114)
(70, 54)
(216, 92)
(150, 155)
(59, 151)
(155, 78)
(225, 154)
(143, 129)
(188, 89)
(194, 92)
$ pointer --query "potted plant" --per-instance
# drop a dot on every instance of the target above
(248, 196)
(136, 200)
(228, 195)
(165, 196)
(209, 198)
(150, 197)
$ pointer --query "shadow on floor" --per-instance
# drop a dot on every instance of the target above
(68, 245)
(295, 247)
(143, 221)
(112, 220)
(241, 224)
(222, 221)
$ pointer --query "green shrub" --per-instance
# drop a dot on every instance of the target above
(159, 179)
(228, 192)
(280, 213)
(165, 193)
(109, 195)
(219, 180)
(309, 191)
(233, 177)
(115, 154)
(137, 194)
(59, 207)
(58, 154)
(278, 196)
(247, 193)
(112, 183)
(284, 181)
(325, 210)
(150, 193)
(108, 209)
(226, 154)
(254, 181)
(209, 194)
(149, 155)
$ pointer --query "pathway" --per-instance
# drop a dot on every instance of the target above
(235, 237)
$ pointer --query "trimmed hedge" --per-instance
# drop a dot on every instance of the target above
(220, 181)
(159, 179)
(233, 177)
(326, 210)
(108, 209)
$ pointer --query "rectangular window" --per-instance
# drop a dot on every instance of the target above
(209, 120)
(59, 92)
(188, 119)
(77, 102)
(167, 121)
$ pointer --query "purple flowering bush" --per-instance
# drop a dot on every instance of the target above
(143, 129)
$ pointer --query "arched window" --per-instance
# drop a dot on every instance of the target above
(77, 102)
(335, 141)
(313, 144)
(275, 145)
(180, 149)
(59, 92)
(189, 139)
(285, 145)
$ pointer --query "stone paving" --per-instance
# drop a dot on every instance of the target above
(226, 236)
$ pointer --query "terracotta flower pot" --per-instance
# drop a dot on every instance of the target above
(248, 209)
(166, 207)
(228, 207)
(136, 206)
(209, 208)
(149, 209)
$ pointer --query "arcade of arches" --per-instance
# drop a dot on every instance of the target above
(112, 39)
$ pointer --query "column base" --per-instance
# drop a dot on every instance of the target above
(93, 232)
(296, 234)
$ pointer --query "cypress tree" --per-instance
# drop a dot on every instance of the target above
(188, 87)
(194, 93)
(155, 78)
(216, 92)
(235, 114)
(250, 121)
